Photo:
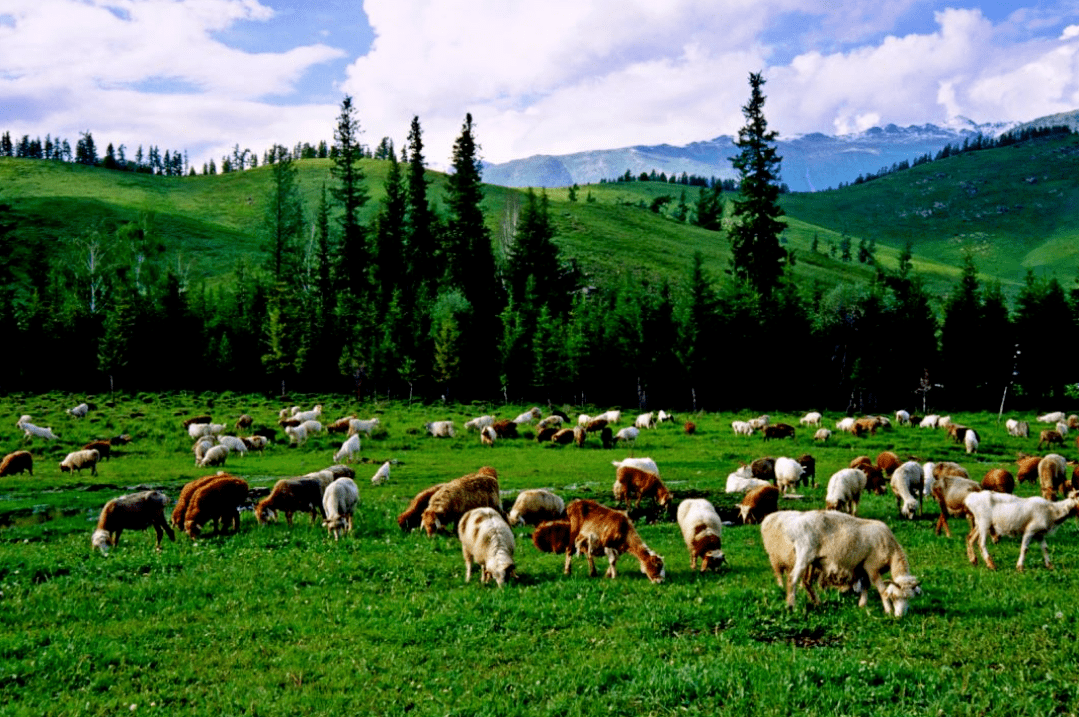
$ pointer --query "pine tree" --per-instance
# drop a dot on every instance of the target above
(533, 254)
(283, 223)
(469, 254)
(421, 258)
(389, 234)
(351, 194)
(757, 257)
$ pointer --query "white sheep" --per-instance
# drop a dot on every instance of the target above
(742, 428)
(551, 421)
(970, 441)
(628, 434)
(835, 549)
(584, 419)
(79, 411)
(201, 446)
(845, 424)
(357, 425)
(235, 444)
(535, 506)
(479, 423)
(845, 490)
(338, 503)
(313, 415)
(77, 460)
(1062, 428)
(609, 416)
(930, 421)
(488, 436)
(1054, 417)
(32, 431)
(742, 480)
(296, 434)
(440, 429)
(759, 422)
(645, 420)
(528, 416)
(902, 417)
(1004, 514)
(382, 475)
(350, 448)
(214, 456)
(487, 540)
(908, 483)
(813, 418)
(648, 465)
(1017, 429)
(702, 531)
(788, 473)
(311, 426)
(663, 417)
(822, 434)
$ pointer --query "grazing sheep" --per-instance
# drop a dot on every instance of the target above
(645, 420)
(742, 480)
(234, 444)
(479, 423)
(256, 443)
(628, 435)
(579, 435)
(290, 495)
(836, 549)
(17, 462)
(341, 425)
(596, 424)
(759, 422)
(77, 460)
(950, 490)
(104, 449)
(338, 504)
(822, 434)
(813, 418)
(887, 462)
(505, 429)
(536, 506)
(440, 429)
(788, 472)
(1054, 417)
(135, 511)
(702, 530)
(179, 512)
(742, 428)
(1028, 468)
(809, 469)
(930, 421)
(845, 490)
(1062, 428)
(204, 418)
(487, 541)
(214, 456)
(552, 536)
(908, 483)
(311, 426)
(874, 476)
(457, 497)
(999, 480)
(866, 424)
(583, 419)
(639, 483)
(411, 517)
(758, 503)
(546, 434)
(313, 415)
(296, 434)
(565, 436)
(550, 422)
(778, 430)
(201, 446)
(244, 422)
(764, 468)
(218, 499)
(970, 441)
(382, 475)
(350, 449)
(198, 430)
(79, 411)
(902, 417)
(595, 527)
(610, 416)
(1053, 476)
(663, 417)
(1017, 429)
(528, 416)
(1050, 437)
(644, 463)
(1003, 515)
(366, 427)
(689, 428)
(488, 436)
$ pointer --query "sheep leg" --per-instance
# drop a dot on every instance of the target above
(612, 558)
(971, 537)
(468, 566)
(985, 552)
(796, 576)
(1045, 554)
(569, 560)
(942, 522)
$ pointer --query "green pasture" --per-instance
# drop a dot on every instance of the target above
(272, 621)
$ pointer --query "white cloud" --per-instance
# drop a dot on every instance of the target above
(1070, 32)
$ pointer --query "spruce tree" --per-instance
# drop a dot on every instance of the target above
(283, 223)
(421, 258)
(470, 261)
(389, 234)
(351, 194)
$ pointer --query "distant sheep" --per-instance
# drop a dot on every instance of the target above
(289, 496)
(479, 423)
(440, 429)
(930, 421)
(970, 441)
(31, 431)
(550, 422)
(135, 511)
(627, 435)
(1050, 437)
(349, 451)
(366, 427)
(214, 456)
(813, 418)
(234, 444)
(536, 506)
(663, 417)
(778, 430)
(313, 415)
(645, 420)
(610, 416)
(1017, 429)
(758, 502)
(528, 416)
(702, 531)
(902, 417)
(79, 411)
(1053, 476)
(1054, 417)
(505, 429)
(488, 436)
(845, 490)
(338, 504)
(296, 434)
(822, 434)
(202, 418)
(742, 428)
(382, 475)
(244, 422)
(487, 540)
(77, 460)
(759, 422)
(742, 480)
(565, 436)
(17, 462)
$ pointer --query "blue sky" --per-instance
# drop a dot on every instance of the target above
(539, 78)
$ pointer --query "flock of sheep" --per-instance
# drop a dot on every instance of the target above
(808, 549)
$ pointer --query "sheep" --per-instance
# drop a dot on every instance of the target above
(1054, 417)
(440, 429)
(931, 472)
(845, 424)
(579, 435)
(546, 434)
(628, 435)
(764, 468)
(758, 502)
(907, 484)
(970, 441)
(536, 506)
(742, 480)
(813, 418)
(702, 531)
(487, 541)
(1062, 428)
(528, 416)
(845, 490)
(642, 484)
(552, 536)
(583, 419)
(79, 411)
(999, 480)
(809, 469)
(1050, 437)
(290, 495)
(135, 511)
(103, 448)
(349, 450)
(179, 512)
(234, 444)
(367, 427)
(645, 420)
(296, 434)
(31, 431)
(255, 443)
(505, 429)
(596, 424)
(778, 430)
(689, 428)
(410, 518)
(17, 462)
(944, 422)
(479, 423)
(609, 416)
(822, 434)
(950, 490)
(1001, 515)
(1052, 475)
(244, 421)
(742, 428)
(887, 462)
(203, 418)
(1028, 468)
(382, 475)
(550, 422)
(663, 417)
(759, 422)
(866, 424)
(198, 430)
(218, 499)
(1017, 429)
(565, 436)
(313, 415)
(874, 476)
(902, 417)
(788, 472)
(201, 446)
(341, 425)
(930, 421)
(457, 497)
(338, 504)
(836, 549)
(595, 527)
(1073, 421)
(488, 436)
(646, 464)
(77, 460)
(214, 456)
(311, 426)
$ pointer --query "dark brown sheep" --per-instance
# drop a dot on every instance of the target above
(205, 418)
(217, 500)
(505, 428)
(103, 448)
(1050, 437)
(778, 430)
(410, 519)
(999, 480)
(758, 503)
(690, 428)
(17, 462)
(888, 462)
(552, 536)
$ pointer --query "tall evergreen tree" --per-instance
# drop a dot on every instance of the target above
(351, 194)
(533, 254)
(757, 256)
(389, 234)
(709, 213)
(283, 223)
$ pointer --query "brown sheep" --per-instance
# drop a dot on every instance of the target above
(887, 462)
(596, 424)
(341, 425)
(1028, 468)
(197, 419)
(136, 511)
(809, 470)
(103, 448)
(1053, 476)
(950, 490)
(546, 434)
(411, 517)
(218, 499)
(565, 436)
(642, 484)
(17, 462)
(874, 476)
(122, 440)
(179, 511)
(778, 430)
(1050, 437)
(291, 495)
(764, 469)
(594, 527)
(867, 424)
(505, 428)
(457, 497)
(579, 435)
(690, 428)
(758, 503)
(552, 536)
(244, 421)
(999, 481)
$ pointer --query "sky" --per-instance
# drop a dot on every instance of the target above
(548, 77)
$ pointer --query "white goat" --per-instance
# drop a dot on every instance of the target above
(440, 429)
(1004, 514)
(702, 530)
(487, 540)
(788, 473)
(349, 449)
(813, 418)
(845, 490)
(338, 503)
(382, 475)
(908, 481)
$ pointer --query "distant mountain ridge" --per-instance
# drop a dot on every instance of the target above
(811, 162)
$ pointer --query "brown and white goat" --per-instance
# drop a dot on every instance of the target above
(595, 527)
(641, 484)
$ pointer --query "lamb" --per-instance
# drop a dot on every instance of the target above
(410, 518)
(1028, 468)
(31, 431)
(296, 434)
(479, 423)
(554, 421)
(487, 541)
(845, 490)
(504, 429)
(758, 503)
(970, 441)
(290, 495)
(907, 484)
(552, 536)
(702, 531)
(902, 417)
(440, 429)
(930, 421)
(77, 460)
(642, 484)
(565, 436)
(1018, 429)
(79, 411)
(1053, 417)
(244, 421)
(338, 504)
(528, 416)
(1052, 475)
(822, 434)
(454, 499)
(234, 444)
(536, 506)
(788, 472)
(367, 427)
(645, 420)
(742, 428)
(1002, 515)
(135, 511)
(845, 424)
(214, 456)
(835, 549)
(609, 416)
(628, 434)
(350, 449)
(313, 415)
(218, 499)
(999, 480)
(887, 462)
(488, 436)
(201, 446)
(17, 462)
(813, 418)
(950, 491)
(778, 430)
(1050, 437)
(595, 527)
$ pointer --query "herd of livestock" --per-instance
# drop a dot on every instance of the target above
(809, 549)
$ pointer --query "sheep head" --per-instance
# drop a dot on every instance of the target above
(100, 540)
(430, 523)
(898, 593)
(652, 566)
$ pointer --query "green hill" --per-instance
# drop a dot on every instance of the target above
(1015, 208)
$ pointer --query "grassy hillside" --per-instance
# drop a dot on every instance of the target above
(1015, 208)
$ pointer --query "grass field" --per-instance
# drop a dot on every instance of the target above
(273, 621)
